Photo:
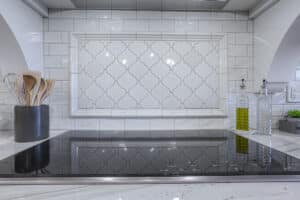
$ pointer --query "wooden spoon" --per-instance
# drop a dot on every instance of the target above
(29, 83)
(50, 86)
(41, 91)
(32, 81)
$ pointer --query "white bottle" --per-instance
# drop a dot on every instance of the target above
(264, 111)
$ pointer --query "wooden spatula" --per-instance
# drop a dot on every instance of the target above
(50, 86)
(32, 81)
(41, 91)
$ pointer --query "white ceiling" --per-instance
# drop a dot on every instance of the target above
(185, 5)
(242, 5)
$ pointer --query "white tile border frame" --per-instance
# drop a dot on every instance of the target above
(150, 113)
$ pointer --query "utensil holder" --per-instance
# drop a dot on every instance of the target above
(31, 123)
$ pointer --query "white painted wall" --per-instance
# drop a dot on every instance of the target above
(21, 47)
(11, 55)
(287, 57)
(269, 30)
(27, 26)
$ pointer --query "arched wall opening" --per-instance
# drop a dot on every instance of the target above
(269, 30)
(11, 55)
(287, 58)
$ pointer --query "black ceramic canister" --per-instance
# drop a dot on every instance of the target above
(31, 123)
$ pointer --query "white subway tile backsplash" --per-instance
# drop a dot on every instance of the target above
(74, 14)
(242, 16)
(112, 124)
(59, 74)
(137, 124)
(46, 49)
(65, 37)
(52, 37)
(162, 124)
(237, 74)
(99, 14)
(111, 26)
(231, 38)
(190, 26)
(223, 15)
(250, 50)
(236, 26)
(277, 110)
(209, 27)
(242, 61)
(62, 124)
(174, 15)
(149, 15)
(123, 14)
(199, 15)
(135, 26)
(244, 38)
(87, 124)
(165, 26)
(87, 26)
(58, 49)
(279, 98)
(186, 124)
(61, 24)
(250, 26)
(54, 13)
(52, 61)
(241, 50)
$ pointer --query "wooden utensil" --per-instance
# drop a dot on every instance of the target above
(32, 81)
(41, 91)
(50, 86)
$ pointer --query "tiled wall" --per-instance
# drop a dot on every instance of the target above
(138, 72)
(57, 28)
(280, 107)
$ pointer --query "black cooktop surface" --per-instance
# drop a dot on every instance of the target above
(180, 153)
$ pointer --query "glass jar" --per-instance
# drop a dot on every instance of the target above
(264, 111)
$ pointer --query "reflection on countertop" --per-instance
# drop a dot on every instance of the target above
(282, 141)
(9, 147)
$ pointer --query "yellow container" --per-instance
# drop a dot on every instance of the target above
(242, 119)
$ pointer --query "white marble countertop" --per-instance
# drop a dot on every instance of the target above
(282, 141)
(9, 147)
(286, 142)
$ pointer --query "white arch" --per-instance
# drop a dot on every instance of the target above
(27, 27)
(11, 55)
(287, 57)
(269, 31)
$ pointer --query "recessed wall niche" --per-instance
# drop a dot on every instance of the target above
(148, 75)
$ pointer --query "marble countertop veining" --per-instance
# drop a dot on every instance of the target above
(282, 141)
